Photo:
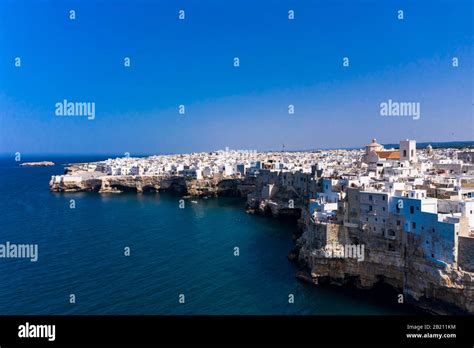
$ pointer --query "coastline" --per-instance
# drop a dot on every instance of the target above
(445, 286)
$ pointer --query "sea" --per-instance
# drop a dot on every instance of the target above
(133, 254)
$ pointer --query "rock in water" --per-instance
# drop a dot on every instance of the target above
(37, 164)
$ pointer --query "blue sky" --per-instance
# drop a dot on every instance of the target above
(190, 62)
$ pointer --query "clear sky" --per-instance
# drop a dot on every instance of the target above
(190, 62)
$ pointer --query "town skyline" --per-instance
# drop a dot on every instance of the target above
(420, 145)
(409, 204)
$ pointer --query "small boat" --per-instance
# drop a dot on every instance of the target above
(195, 202)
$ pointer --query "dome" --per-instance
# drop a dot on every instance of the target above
(374, 143)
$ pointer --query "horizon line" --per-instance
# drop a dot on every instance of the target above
(5, 154)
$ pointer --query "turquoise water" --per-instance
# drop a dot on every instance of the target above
(174, 251)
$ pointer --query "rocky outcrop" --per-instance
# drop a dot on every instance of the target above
(70, 183)
(435, 287)
(37, 164)
(75, 181)
(203, 188)
(174, 184)
(282, 205)
(220, 187)
(129, 183)
(276, 209)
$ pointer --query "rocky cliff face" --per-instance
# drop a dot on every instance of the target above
(276, 209)
(283, 204)
(66, 183)
(434, 287)
(130, 183)
(142, 183)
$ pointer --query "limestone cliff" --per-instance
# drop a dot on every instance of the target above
(284, 203)
(432, 286)
(76, 181)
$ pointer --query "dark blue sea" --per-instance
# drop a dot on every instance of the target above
(173, 251)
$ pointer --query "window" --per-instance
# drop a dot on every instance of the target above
(383, 198)
(370, 208)
(375, 219)
(370, 197)
(404, 153)
(413, 225)
(398, 222)
(412, 209)
(383, 208)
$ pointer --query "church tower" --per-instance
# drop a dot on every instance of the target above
(408, 151)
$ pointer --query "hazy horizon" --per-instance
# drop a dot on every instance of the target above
(74, 154)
